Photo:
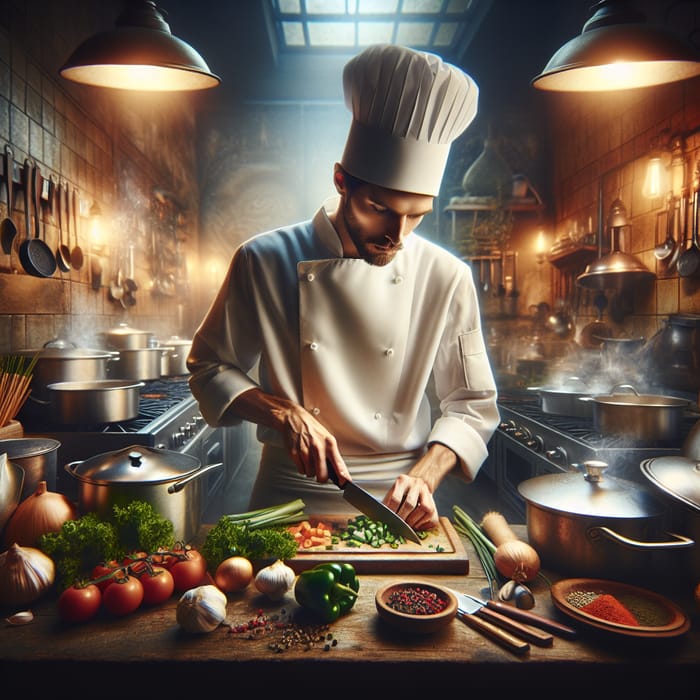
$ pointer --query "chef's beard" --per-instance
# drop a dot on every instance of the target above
(375, 253)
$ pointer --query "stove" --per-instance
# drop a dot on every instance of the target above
(168, 418)
(530, 442)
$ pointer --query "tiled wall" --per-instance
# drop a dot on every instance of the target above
(608, 137)
(109, 147)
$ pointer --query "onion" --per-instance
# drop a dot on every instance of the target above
(233, 574)
(26, 574)
(42, 512)
(517, 560)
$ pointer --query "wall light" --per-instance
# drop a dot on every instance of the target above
(618, 50)
(140, 53)
(540, 248)
(665, 175)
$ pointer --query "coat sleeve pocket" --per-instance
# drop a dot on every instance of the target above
(475, 362)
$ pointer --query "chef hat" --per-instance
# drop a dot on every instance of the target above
(407, 107)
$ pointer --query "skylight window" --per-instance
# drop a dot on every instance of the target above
(343, 26)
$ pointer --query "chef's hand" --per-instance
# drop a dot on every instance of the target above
(411, 496)
(308, 442)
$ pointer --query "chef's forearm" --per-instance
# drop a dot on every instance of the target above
(261, 408)
(434, 465)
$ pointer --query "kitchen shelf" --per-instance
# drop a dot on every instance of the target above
(574, 257)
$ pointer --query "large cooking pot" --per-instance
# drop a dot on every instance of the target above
(174, 361)
(123, 337)
(140, 364)
(37, 457)
(647, 418)
(675, 352)
(582, 524)
(94, 403)
(169, 481)
(678, 481)
(564, 400)
(55, 364)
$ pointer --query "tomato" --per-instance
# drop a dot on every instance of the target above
(123, 596)
(177, 556)
(79, 604)
(188, 573)
(158, 586)
(102, 569)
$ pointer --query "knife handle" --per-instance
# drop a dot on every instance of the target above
(333, 474)
(496, 634)
(531, 634)
(531, 618)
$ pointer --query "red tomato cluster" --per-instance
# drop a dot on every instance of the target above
(139, 580)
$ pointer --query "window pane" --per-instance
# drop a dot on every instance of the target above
(325, 7)
(331, 33)
(287, 6)
(427, 6)
(293, 33)
(377, 7)
(414, 33)
(374, 33)
(445, 34)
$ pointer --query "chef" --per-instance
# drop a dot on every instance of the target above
(326, 333)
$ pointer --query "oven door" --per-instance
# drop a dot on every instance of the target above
(516, 462)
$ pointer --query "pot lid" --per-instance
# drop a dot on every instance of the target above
(176, 340)
(68, 353)
(677, 476)
(124, 329)
(590, 494)
(136, 464)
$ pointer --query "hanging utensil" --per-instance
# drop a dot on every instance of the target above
(663, 250)
(689, 261)
(36, 257)
(62, 251)
(76, 255)
(8, 229)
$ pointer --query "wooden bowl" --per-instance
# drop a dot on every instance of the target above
(416, 622)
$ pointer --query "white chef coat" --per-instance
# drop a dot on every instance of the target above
(355, 344)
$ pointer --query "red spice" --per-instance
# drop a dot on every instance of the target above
(609, 608)
(415, 600)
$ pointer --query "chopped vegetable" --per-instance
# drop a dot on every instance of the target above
(308, 536)
(328, 590)
(228, 538)
(363, 530)
(284, 514)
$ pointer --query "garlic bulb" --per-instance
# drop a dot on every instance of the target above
(518, 593)
(41, 512)
(201, 609)
(26, 574)
(275, 580)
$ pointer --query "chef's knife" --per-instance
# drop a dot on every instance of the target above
(469, 605)
(371, 507)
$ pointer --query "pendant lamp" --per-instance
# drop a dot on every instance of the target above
(140, 53)
(618, 50)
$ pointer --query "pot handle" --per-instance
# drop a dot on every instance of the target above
(681, 542)
(179, 485)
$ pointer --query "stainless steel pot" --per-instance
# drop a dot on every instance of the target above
(56, 364)
(565, 400)
(92, 403)
(123, 337)
(174, 361)
(141, 364)
(638, 417)
(37, 456)
(169, 481)
(677, 479)
(582, 524)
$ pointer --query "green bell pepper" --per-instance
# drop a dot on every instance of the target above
(329, 590)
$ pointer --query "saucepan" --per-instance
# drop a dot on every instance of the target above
(170, 481)
(94, 403)
(564, 400)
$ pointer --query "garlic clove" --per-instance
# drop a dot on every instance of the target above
(23, 617)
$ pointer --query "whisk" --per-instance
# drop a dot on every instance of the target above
(15, 378)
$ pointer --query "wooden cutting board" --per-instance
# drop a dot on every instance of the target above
(441, 552)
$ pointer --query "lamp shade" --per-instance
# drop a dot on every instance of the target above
(140, 53)
(618, 50)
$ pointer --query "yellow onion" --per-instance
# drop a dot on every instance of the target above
(42, 512)
(26, 573)
(233, 574)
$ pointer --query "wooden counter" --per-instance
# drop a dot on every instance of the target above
(147, 651)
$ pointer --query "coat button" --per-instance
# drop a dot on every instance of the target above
(389, 352)
(315, 410)
(313, 346)
(310, 277)
(377, 415)
(398, 279)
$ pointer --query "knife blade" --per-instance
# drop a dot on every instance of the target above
(469, 605)
(525, 616)
(371, 507)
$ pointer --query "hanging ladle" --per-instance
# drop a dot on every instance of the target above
(664, 250)
(689, 262)
(36, 256)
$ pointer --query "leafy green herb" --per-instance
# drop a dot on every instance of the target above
(228, 538)
(140, 527)
(78, 546)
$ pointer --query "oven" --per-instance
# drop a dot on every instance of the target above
(530, 442)
(168, 418)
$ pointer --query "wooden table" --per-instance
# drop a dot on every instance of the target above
(148, 651)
